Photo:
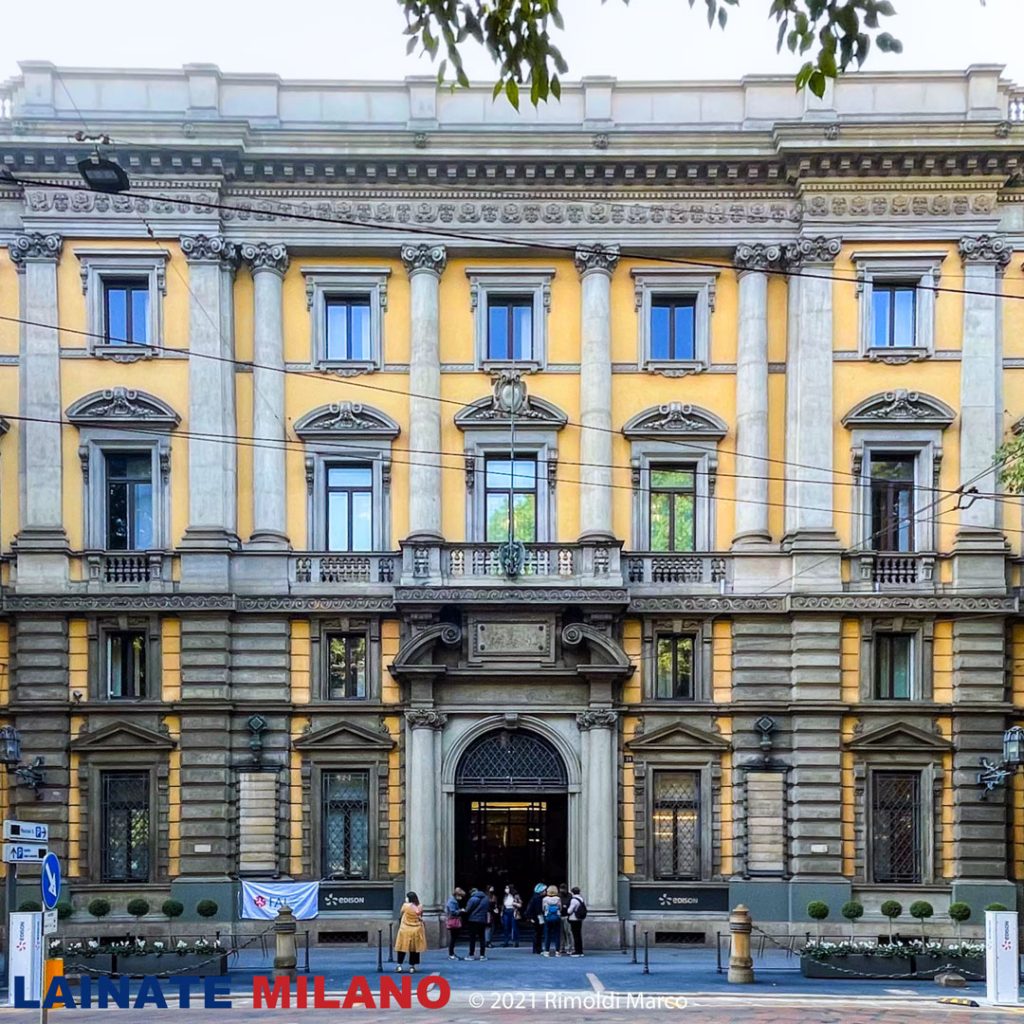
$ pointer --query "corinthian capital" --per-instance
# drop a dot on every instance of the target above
(433, 258)
(597, 718)
(34, 246)
(265, 256)
(596, 256)
(820, 249)
(210, 249)
(763, 256)
(425, 718)
(985, 249)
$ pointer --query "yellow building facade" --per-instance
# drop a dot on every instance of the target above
(401, 492)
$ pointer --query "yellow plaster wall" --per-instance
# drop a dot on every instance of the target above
(849, 796)
(396, 797)
(850, 660)
(390, 640)
(170, 659)
(630, 726)
(724, 725)
(173, 724)
(301, 648)
(5, 666)
(78, 658)
(75, 804)
(298, 728)
(944, 725)
(942, 661)
(632, 644)
(721, 661)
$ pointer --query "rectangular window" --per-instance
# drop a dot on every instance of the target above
(124, 816)
(892, 503)
(674, 671)
(894, 313)
(673, 327)
(126, 664)
(510, 483)
(346, 666)
(126, 311)
(129, 512)
(673, 501)
(894, 666)
(896, 828)
(676, 825)
(510, 327)
(347, 328)
(345, 798)
(349, 507)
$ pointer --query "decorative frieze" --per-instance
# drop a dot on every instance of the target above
(34, 246)
(596, 256)
(265, 256)
(994, 249)
(433, 258)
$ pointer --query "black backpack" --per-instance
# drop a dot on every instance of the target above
(581, 910)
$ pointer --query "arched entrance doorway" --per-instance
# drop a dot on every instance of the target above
(511, 814)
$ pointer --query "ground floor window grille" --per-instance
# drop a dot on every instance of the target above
(346, 831)
(896, 827)
(676, 825)
(125, 826)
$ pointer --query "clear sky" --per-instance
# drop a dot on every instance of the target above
(650, 39)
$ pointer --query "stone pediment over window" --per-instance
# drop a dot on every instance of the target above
(676, 420)
(344, 737)
(120, 405)
(677, 738)
(486, 413)
(605, 653)
(900, 408)
(898, 738)
(416, 655)
(346, 419)
(120, 738)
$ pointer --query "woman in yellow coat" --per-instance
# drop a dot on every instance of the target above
(412, 936)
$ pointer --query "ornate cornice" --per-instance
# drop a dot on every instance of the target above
(900, 408)
(431, 258)
(265, 256)
(597, 718)
(762, 256)
(34, 246)
(119, 602)
(816, 249)
(316, 604)
(120, 405)
(675, 419)
(426, 718)
(993, 249)
(346, 419)
(596, 256)
(210, 249)
(513, 595)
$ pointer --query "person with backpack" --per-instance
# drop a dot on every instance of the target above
(577, 915)
(534, 913)
(551, 912)
(478, 910)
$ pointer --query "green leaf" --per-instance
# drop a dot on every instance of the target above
(411, 45)
(816, 83)
(512, 92)
(556, 87)
(498, 86)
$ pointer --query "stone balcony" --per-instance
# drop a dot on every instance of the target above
(893, 570)
(145, 571)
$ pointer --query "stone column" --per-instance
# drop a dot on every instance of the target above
(269, 262)
(41, 541)
(211, 478)
(600, 773)
(596, 263)
(421, 800)
(809, 498)
(754, 262)
(981, 397)
(425, 264)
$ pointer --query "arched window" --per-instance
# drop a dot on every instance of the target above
(511, 762)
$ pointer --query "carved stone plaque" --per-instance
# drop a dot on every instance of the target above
(496, 640)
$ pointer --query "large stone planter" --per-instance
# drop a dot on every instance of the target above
(163, 964)
(78, 963)
(972, 968)
(856, 967)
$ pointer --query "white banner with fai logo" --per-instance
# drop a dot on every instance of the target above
(262, 900)
(26, 954)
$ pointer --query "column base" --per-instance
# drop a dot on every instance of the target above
(268, 540)
(42, 559)
(205, 553)
(596, 537)
(755, 540)
(209, 538)
(979, 559)
(816, 559)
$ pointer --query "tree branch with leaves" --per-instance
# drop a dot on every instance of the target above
(838, 34)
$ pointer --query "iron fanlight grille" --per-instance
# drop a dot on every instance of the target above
(676, 825)
(125, 826)
(896, 827)
(346, 828)
(511, 762)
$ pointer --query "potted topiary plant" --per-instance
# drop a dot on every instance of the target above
(853, 912)
(207, 908)
(30, 906)
(959, 912)
(891, 909)
(138, 908)
(921, 910)
(817, 910)
(995, 906)
(172, 908)
(99, 907)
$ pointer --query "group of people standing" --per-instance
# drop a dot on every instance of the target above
(556, 915)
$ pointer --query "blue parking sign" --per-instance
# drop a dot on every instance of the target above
(50, 881)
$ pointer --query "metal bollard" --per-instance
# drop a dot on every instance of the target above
(623, 944)
(285, 958)
(380, 952)
(647, 962)
(741, 966)
(391, 942)
(634, 942)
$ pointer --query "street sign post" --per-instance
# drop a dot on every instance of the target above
(24, 853)
(30, 831)
(49, 923)
(49, 881)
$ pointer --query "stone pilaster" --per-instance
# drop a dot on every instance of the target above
(421, 815)
(41, 542)
(598, 732)
(810, 531)
(980, 544)
(596, 263)
(754, 263)
(425, 264)
(211, 463)
(269, 263)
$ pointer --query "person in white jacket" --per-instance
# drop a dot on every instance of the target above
(577, 914)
